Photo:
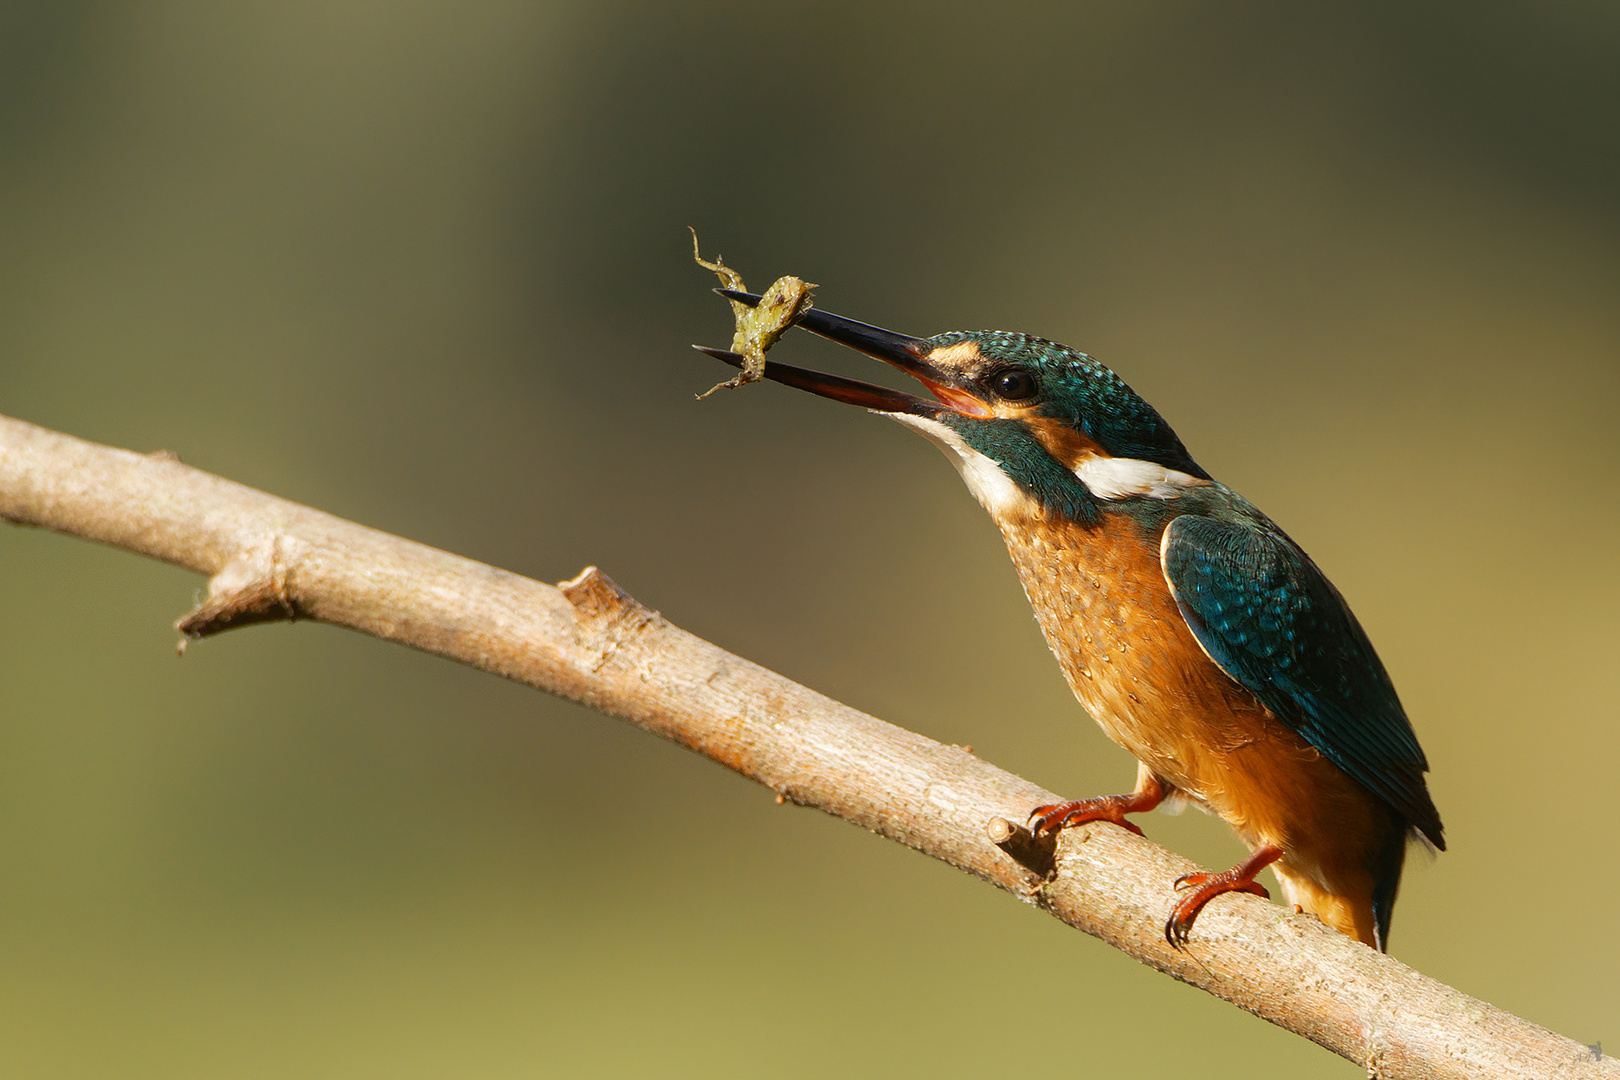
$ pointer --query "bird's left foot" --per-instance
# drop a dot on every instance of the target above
(1206, 887)
(1045, 821)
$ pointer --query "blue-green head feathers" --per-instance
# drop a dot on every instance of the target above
(1081, 393)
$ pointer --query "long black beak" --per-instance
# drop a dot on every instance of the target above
(849, 391)
(899, 350)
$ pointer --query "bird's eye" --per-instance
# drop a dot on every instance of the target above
(1014, 384)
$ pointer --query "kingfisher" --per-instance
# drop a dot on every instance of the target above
(1195, 632)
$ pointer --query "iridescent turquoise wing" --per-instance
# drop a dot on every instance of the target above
(1263, 612)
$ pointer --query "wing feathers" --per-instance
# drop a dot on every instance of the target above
(1268, 617)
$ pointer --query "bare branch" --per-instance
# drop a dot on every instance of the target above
(268, 559)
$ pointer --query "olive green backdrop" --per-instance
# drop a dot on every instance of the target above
(425, 265)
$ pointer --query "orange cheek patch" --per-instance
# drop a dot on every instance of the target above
(1067, 446)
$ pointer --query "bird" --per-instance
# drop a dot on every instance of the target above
(1196, 633)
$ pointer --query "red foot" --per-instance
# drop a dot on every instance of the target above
(1206, 887)
(1045, 820)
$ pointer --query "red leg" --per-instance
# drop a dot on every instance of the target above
(1205, 887)
(1150, 792)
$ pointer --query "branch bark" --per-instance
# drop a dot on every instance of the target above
(269, 559)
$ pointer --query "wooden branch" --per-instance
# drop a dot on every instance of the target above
(268, 559)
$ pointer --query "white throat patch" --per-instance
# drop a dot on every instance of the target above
(993, 488)
(1116, 478)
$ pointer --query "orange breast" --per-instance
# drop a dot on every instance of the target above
(1106, 610)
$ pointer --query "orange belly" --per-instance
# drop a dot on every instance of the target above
(1102, 602)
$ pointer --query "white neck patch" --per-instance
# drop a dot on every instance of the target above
(993, 488)
(1117, 478)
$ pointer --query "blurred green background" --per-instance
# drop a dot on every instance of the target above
(425, 265)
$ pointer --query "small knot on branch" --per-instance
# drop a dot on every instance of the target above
(247, 591)
(595, 596)
(608, 616)
(1036, 854)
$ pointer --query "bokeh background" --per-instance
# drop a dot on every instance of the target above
(425, 265)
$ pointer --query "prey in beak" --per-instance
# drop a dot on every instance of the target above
(901, 351)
